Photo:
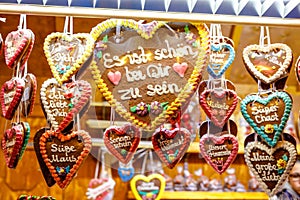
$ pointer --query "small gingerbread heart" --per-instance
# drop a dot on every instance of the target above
(12, 145)
(100, 188)
(125, 173)
(171, 145)
(29, 94)
(219, 151)
(10, 96)
(267, 115)
(66, 53)
(122, 142)
(64, 154)
(268, 63)
(180, 68)
(62, 102)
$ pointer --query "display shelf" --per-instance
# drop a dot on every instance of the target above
(211, 195)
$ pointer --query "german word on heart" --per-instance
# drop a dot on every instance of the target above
(219, 151)
(268, 63)
(220, 58)
(10, 96)
(66, 53)
(267, 115)
(62, 102)
(122, 142)
(171, 145)
(218, 105)
(148, 187)
(64, 154)
(271, 166)
(148, 72)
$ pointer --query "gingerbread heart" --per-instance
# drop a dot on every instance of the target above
(100, 188)
(122, 142)
(17, 47)
(66, 53)
(297, 69)
(62, 102)
(45, 171)
(220, 58)
(268, 63)
(270, 165)
(29, 94)
(126, 173)
(148, 187)
(10, 96)
(219, 151)
(12, 145)
(64, 154)
(148, 72)
(26, 131)
(171, 145)
(267, 115)
(218, 104)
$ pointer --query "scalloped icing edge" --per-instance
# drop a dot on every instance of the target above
(188, 89)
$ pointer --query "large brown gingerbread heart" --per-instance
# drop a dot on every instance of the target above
(171, 145)
(270, 165)
(148, 72)
(10, 96)
(62, 102)
(64, 154)
(122, 142)
(268, 63)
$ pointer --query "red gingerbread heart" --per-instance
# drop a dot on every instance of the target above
(64, 154)
(10, 96)
(62, 102)
(219, 151)
(12, 145)
(171, 145)
(218, 104)
(29, 94)
(122, 142)
(18, 46)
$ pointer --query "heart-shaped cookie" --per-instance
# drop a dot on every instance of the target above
(220, 58)
(122, 142)
(297, 69)
(45, 171)
(100, 188)
(270, 166)
(17, 47)
(10, 96)
(218, 104)
(219, 151)
(12, 145)
(64, 154)
(66, 53)
(62, 102)
(148, 187)
(125, 173)
(160, 67)
(29, 94)
(268, 63)
(267, 115)
(171, 145)
(26, 131)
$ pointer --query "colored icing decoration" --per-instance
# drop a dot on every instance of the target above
(218, 104)
(67, 53)
(219, 151)
(29, 94)
(297, 69)
(267, 115)
(64, 154)
(122, 142)
(12, 145)
(10, 96)
(171, 145)
(144, 63)
(100, 188)
(33, 197)
(148, 187)
(26, 130)
(220, 58)
(17, 47)
(270, 166)
(62, 102)
(268, 63)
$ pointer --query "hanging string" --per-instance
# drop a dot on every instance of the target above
(22, 22)
(144, 162)
(151, 161)
(94, 3)
(98, 163)
(45, 2)
(112, 116)
(103, 170)
(68, 27)
(264, 36)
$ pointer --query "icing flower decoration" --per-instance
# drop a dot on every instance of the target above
(61, 69)
(101, 46)
(142, 109)
(68, 95)
(281, 164)
(155, 108)
(63, 171)
(269, 128)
